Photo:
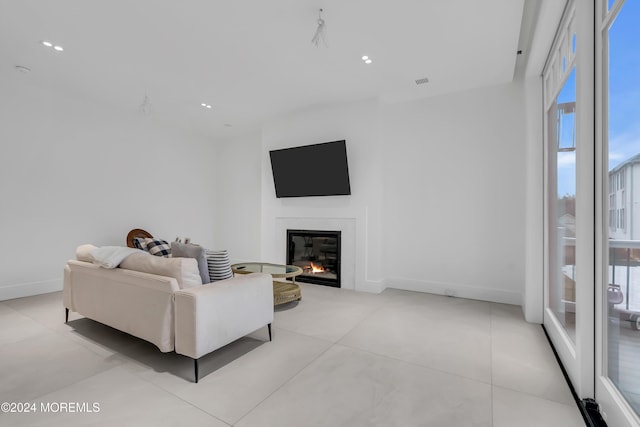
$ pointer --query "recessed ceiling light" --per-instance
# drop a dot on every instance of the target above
(208, 106)
(203, 104)
(364, 58)
(49, 44)
(368, 61)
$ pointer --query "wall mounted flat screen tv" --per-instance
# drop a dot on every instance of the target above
(311, 170)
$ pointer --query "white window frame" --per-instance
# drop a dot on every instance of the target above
(613, 405)
(578, 358)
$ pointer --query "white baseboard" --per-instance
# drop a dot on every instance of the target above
(373, 286)
(456, 290)
(29, 289)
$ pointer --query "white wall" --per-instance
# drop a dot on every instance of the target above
(238, 176)
(437, 204)
(357, 215)
(438, 192)
(533, 295)
(72, 172)
(454, 191)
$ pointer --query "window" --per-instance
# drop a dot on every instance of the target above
(561, 148)
(621, 134)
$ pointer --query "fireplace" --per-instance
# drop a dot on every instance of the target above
(317, 253)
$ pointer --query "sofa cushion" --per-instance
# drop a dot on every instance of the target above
(152, 245)
(184, 270)
(111, 256)
(219, 265)
(190, 250)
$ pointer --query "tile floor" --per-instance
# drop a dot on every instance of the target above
(338, 358)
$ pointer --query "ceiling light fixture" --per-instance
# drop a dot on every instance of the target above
(366, 59)
(55, 47)
(320, 31)
(205, 105)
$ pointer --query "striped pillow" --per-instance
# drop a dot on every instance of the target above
(219, 265)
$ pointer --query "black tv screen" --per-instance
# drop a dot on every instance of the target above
(311, 170)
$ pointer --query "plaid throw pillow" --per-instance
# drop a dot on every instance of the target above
(139, 243)
(154, 246)
(159, 247)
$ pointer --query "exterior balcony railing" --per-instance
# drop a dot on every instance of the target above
(624, 271)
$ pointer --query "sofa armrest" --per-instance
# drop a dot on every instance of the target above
(213, 315)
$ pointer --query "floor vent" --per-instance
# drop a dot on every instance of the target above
(422, 81)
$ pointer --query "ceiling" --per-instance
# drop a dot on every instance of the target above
(254, 59)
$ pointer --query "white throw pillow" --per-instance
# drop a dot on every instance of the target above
(83, 252)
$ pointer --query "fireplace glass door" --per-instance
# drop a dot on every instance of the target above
(317, 253)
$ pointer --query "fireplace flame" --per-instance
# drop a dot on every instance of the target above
(316, 268)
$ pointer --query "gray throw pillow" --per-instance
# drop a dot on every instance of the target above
(189, 250)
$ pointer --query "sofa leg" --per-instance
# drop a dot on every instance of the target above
(269, 326)
(195, 369)
(66, 315)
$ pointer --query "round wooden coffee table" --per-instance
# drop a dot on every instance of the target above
(283, 291)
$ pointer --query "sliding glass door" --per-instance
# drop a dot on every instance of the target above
(592, 117)
(568, 80)
(618, 130)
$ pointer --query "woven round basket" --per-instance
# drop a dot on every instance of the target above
(136, 232)
(284, 292)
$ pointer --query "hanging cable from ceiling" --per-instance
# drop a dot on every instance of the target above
(146, 107)
(320, 31)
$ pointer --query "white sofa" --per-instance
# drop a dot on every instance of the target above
(193, 321)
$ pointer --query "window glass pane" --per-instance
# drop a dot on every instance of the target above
(562, 205)
(623, 136)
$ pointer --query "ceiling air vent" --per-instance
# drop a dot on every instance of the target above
(422, 81)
